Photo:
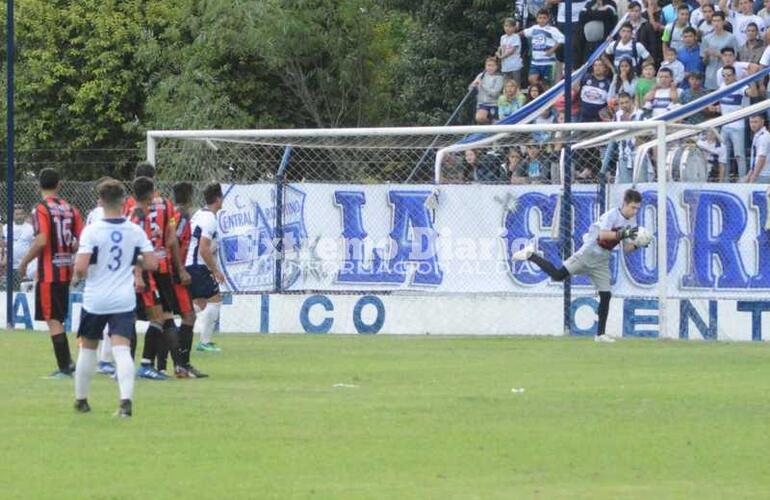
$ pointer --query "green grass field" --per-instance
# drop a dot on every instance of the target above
(428, 418)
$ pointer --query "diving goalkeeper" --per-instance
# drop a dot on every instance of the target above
(593, 259)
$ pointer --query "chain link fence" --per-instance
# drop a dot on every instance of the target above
(364, 213)
(306, 214)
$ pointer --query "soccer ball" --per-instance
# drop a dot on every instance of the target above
(643, 237)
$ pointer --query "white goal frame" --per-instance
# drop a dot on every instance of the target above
(494, 134)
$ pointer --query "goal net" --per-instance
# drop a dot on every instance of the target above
(408, 211)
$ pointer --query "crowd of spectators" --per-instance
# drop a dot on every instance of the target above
(661, 57)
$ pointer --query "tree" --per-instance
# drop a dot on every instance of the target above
(96, 74)
(334, 56)
(444, 51)
(77, 86)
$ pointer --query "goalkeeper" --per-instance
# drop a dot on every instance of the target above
(593, 259)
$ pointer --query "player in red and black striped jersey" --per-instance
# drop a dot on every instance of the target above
(157, 215)
(183, 192)
(57, 227)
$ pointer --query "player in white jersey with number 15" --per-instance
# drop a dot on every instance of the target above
(202, 265)
(108, 252)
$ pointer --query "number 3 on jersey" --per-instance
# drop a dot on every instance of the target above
(116, 253)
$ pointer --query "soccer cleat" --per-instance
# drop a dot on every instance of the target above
(58, 374)
(150, 373)
(105, 368)
(124, 410)
(525, 253)
(207, 347)
(193, 372)
(81, 406)
(603, 338)
(182, 372)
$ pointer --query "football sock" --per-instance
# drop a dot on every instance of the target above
(61, 349)
(163, 348)
(105, 348)
(203, 319)
(604, 311)
(162, 359)
(556, 274)
(210, 317)
(84, 372)
(124, 367)
(171, 341)
(185, 342)
(151, 340)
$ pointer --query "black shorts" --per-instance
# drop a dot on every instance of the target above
(165, 286)
(203, 284)
(92, 325)
(52, 301)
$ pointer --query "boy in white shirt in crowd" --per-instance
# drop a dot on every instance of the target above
(509, 51)
(544, 40)
(671, 62)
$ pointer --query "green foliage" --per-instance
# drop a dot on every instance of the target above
(97, 74)
(334, 56)
(444, 51)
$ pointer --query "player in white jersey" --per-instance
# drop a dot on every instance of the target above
(106, 361)
(94, 215)
(615, 226)
(108, 252)
(202, 265)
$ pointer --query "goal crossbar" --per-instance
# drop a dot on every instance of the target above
(740, 114)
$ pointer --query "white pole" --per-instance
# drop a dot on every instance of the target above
(151, 145)
(437, 167)
(662, 236)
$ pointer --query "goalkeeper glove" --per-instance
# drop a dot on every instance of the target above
(627, 233)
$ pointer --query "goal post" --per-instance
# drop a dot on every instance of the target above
(316, 211)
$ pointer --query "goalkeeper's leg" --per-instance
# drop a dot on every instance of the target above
(529, 253)
(604, 311)
(600, 275)
(559, 274)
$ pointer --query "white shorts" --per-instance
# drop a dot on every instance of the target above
(594, 262)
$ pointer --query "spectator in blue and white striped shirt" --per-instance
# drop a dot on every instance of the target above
(663, 94)
(544, 39)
